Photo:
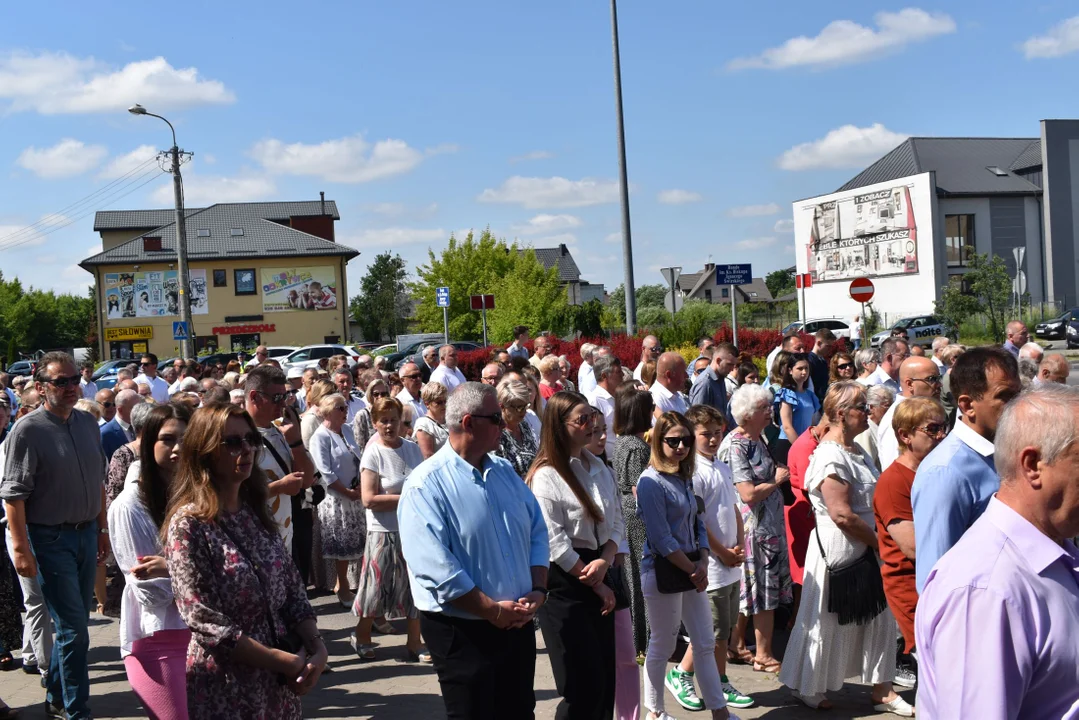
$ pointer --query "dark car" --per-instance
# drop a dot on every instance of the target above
(1072, 334)
(393, 360)
(223, 358)
(416, 356)
(20, 367)
(1056, 329)
(111, 367)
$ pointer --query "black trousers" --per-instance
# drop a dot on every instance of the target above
(485, 673)
(580, 644)
(303, 525)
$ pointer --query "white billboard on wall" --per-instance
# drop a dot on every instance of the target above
(883, 232)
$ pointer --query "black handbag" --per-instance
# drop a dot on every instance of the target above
(855, 591)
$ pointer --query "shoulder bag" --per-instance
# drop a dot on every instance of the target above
(855, 591)
(314, 494)
(671, 579)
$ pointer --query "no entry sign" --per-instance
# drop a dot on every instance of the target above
(861, 290)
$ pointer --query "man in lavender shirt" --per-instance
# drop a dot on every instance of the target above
(996, 621)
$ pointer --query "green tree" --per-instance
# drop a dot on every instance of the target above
(780, 282)
(37, 320)
(383, 300)
(989, 290)
(525, 292)
(648, 296)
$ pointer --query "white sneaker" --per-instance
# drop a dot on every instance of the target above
(899, 707)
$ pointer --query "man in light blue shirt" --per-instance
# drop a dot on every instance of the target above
(517, 347)
(954, 483)
(477, 550)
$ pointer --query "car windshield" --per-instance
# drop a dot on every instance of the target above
(903, 324)
(791, 327)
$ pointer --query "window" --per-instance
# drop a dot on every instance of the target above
(245, 281)
(221, 278)
(726, 292)
(204, 232)
(708, 294)
(958, 239)
(236, 232)
(836, 325)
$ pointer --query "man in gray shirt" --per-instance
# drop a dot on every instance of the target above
(54, 495)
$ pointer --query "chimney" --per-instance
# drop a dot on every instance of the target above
(708, 267)
(322, 201)
(562, 249)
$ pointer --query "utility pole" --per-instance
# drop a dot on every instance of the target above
(627, 242)
(187, 345)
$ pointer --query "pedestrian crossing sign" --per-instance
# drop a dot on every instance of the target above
(180, 331)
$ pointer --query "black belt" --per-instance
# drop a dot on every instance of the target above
(67, 526)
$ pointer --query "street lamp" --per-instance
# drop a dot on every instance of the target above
(627, 243)
(187, 345)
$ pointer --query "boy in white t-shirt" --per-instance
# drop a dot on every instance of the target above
(712, 483)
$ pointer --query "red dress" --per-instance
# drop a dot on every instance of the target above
(799, 516)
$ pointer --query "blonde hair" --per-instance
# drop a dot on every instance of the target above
(913, 413)
(549, 365)
(328, 402)
(434, 391)
(90, 406)
(318, 390)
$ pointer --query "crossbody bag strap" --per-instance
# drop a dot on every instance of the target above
(276, 455)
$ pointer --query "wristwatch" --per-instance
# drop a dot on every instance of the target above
(542, 590)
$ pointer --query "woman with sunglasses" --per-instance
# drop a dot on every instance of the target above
(153, 636)
(576, 493)
(841, 367)
(519, 443)
(675, 565)
(825, 648)
(363, 428)
(384, 589)
(920, 425)
(310, 420)
(255, 645)
(341, 513)
(430, 430)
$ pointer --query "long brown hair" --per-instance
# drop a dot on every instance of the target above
(554, 448)
(195, 484)
(153, 486)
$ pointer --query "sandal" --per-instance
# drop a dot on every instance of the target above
(364, 651)
(743, 657)
(771, 666)
(7, 663)
(385, 628)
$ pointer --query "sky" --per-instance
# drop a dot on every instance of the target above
(425, 118)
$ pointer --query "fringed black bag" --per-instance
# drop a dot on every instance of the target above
(856, 591)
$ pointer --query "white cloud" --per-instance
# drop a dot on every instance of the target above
(533, 192)
(544, 223)
(13, 235)
(745, 211)
(65, 159)
(534, 155)
(844, 147)
(1062, 39)
(123, 164)
(394, 237)
(615, 237)
(554, 240)
(784, 226)
(346, 160)
(58, 83)
(203, 190)
(678, 197)
(844, 42)
(755, 243)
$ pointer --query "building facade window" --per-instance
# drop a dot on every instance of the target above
(726, 292)
(244, 281)
(958, 239)
(221, 278)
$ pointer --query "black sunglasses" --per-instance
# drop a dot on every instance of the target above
(146, 364)
(108, 404)
(375, 394)
(275, 398)
(674, 442)
(414, 376)
(64, 381)
(843, 366)
(235, 443)
(494, 418)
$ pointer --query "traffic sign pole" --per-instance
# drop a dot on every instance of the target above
(734, 316)
(484, 315)
(445, 325)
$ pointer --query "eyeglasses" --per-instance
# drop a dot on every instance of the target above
(276, 398)
(580, 421)
(64, 381)
(235, 444)
(935, 430)
(515, 407)
(494, 418)
(864, 407)
(375, 394)
(146, 364)
(342, 408)
(437, 402)
(844, 366)
(931, 380)
(105, 405)
(414, 376)
(674, 441)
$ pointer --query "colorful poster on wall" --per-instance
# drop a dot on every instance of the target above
(152, 294)
(302, 288)
(869, 235)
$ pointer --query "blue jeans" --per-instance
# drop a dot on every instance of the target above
(857, 344)
(67, 563)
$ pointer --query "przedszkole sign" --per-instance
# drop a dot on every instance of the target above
(244, 329)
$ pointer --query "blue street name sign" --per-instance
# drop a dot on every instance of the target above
(741, 274)
(442, 296)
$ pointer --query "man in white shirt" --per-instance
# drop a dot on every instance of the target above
(447, 372)
(342, 378)
(159, 389)
(856, 332)
(607, 371)
(918, 377)
(650, 351)
(540, 349)
(792, 343)
(262, 353)
(190, 369)
(89, 387)
(586, 379)
(939, 343)
(893, 351)
(412, 382)
(670, 380)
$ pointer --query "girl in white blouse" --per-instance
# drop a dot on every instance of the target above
(153, 636)
(576, 493)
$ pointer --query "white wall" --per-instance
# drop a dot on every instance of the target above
(895, 295)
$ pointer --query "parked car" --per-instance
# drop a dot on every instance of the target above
(1072, 334)
(417, 356)
(394, 359)
(1056, 329)
(309, 356)
(111, 367)
(839, 326)
(20, 367)
(921, 330)
(107, 382)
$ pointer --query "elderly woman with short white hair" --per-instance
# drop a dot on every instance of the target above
(865, 363)
(519, 443)
(565, 369)
(879, 398)
(766, 581)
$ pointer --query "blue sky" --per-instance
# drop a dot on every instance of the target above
(426, 118)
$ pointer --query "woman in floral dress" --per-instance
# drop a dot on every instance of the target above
(632, 419)
(766, 580)
(519, 444)
(255, 647)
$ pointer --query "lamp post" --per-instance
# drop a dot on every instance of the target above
(627, 243)
(187, 345)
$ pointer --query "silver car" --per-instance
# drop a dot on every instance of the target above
(921, 330)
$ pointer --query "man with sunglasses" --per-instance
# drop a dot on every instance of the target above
(650, 352)
(107, 400)
(54, 496)
(159, 389)
(893, 351)
(189, 369)
(918, 377)
(412, 385)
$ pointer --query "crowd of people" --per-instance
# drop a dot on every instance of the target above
(906, 516)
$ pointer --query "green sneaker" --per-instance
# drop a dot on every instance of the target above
(735, 698)
(680, 684)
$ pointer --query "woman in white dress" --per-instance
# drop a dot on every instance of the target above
(341, 514)
(822, 652)
(430, 431)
